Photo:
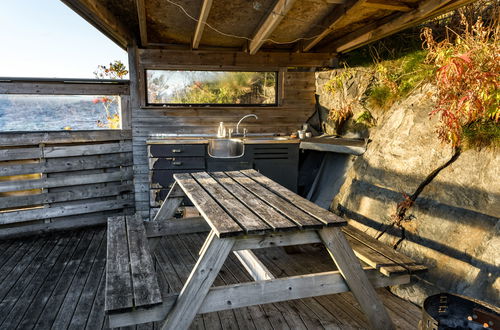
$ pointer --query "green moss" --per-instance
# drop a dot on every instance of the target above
(398, 77)
(483, 134)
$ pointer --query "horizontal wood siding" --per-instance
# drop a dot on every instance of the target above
(296, 105)
(59, 180)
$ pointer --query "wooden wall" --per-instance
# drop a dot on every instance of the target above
(296, 104)
(63, 179)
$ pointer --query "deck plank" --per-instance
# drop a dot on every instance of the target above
(8, 280)
(51, 282)
(58, 283)
(22, 304)
(63, 318)
(14, 259)
(175, 258)
(89, 292)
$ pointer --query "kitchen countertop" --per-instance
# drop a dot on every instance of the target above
(203, 139)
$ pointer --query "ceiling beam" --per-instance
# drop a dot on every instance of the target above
(102, 19)
(426, 10)
(200, 26)
(340, 12)
(142, 18)
(272, 21)
(388, 5)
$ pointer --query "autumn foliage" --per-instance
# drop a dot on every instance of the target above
(468, 81)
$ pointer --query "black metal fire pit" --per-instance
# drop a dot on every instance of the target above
(447, 311)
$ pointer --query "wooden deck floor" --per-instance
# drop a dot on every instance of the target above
(56, 282)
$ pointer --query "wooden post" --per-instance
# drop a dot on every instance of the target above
(355, 277)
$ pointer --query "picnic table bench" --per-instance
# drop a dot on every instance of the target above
(243, 210)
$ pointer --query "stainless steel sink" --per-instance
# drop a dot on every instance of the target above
(226, 148)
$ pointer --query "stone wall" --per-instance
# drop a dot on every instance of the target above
(453, 227)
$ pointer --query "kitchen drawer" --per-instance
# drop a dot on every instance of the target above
(176, 150)
(175, 163)
(163, 179)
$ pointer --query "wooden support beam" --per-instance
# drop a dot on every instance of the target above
(142, 19)
(276, 239)
(261, 292)
(103, 19)
(63, 87)
(200, 26)
(272, 21)
(253, 265)
(426, 10)
(171, 203)
(205, 59)
(388, 5)
(176, 227)
(350, 7)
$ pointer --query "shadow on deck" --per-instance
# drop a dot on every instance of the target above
(57, 282)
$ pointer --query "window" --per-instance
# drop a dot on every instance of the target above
(59, 112)
(236, 88)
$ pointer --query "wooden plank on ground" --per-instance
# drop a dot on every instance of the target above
(300, 218)
(216, 217)
(272, 217)
(119, 294)
(251, 223)
(326, 217)
(397, 257)
(144, 281)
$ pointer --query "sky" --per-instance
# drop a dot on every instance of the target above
(45, 38)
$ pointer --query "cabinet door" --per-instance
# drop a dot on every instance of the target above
(279, 162)
(228, 165)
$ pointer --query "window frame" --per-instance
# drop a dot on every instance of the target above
(144, 98)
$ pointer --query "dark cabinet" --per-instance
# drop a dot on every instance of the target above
(278, 161)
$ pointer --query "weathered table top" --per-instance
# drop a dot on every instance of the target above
(246, 202)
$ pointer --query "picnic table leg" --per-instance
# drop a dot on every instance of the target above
(352, 272)
(199, 282)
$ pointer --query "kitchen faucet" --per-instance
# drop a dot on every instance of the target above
(246, 116)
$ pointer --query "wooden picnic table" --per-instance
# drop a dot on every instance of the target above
(246, 210)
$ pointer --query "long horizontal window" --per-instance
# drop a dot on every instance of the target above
(236, 88)
(59, 112)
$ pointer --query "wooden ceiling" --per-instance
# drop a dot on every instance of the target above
(319, 26)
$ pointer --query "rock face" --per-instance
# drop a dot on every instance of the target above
(453, 226)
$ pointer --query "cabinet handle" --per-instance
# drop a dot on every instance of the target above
(176, 163)
(176, 151)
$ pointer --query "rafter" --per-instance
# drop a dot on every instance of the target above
(102, 19)
(200, 26)
(141, 16)
(349, 7)
(278, 12)
(370, 33)
(388, 5)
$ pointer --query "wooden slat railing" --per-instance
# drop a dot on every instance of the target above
(63, 180)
